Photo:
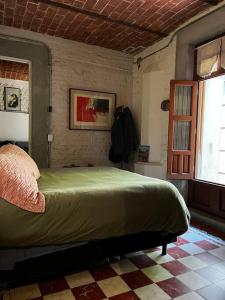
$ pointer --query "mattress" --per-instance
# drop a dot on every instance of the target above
(84, 204)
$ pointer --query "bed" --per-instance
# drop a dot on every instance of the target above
(99, 204)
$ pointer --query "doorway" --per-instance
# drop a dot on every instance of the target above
(15, 103)
(38, 54)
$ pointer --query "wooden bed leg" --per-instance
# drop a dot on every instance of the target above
(164, 248)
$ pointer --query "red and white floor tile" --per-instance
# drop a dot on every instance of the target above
(194, 268)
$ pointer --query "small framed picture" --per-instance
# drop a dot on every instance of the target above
(91, 110)
(12, 99)
(143, 153)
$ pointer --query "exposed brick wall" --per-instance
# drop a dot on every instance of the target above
(24, 88)
(88, 67)
(159, 15)
(14, 70)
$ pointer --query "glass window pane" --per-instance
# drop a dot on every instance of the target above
(183, 100)
(181, 140)
(211, 150)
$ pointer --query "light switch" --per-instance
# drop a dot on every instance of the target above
(50, 138)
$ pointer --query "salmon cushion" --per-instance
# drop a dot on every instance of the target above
(23, 156)
(18, 186)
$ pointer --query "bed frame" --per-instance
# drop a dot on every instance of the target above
(83, 256)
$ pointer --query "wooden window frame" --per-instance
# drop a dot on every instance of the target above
(199, 121)
(181, 154)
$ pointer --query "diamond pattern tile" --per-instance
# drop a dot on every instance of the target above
(177, 252)
(221, 283)
(79, 279)
(63, 295)
(103, 273)
(123, 266)
(208, 258)
(220, 267)
(173, 287)
(193, 280)
(180, 241)
(142, 261)
(152, 291)
(125, 296)
(157, 273)
(206, 245)
(211, 274)
(160, 259)
(136, 279)
(113, 286)
(53, 286)
(175, 267)
(191, 248)
(192, 262)
(189, 296)
(25, 292)
(193, 269)
(212, 292)
(219, 252)
(89, 291)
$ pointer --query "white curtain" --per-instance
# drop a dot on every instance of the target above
(208, 58)
(223, 53)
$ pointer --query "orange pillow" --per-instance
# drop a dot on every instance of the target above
(18, 186)
(23, 156)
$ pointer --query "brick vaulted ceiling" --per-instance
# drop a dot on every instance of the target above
(14, 70)
(125, 25)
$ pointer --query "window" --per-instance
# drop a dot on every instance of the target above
(182, 126)
(210, 151)
(210, 59)
(196, 146)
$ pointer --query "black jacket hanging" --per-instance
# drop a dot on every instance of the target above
(123, 135)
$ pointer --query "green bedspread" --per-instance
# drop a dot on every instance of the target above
(84, 204)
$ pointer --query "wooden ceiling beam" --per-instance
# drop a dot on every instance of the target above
(99, 16)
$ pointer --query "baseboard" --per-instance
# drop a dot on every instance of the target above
(205, 218)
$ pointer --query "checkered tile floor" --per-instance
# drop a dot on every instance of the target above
(194, 268)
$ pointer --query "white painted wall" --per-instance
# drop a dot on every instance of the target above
(151, 86)
(14, 126)
(22, 85)
(77, 65)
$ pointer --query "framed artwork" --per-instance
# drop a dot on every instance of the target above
(91, 110)
(12, 99)
(143, 153)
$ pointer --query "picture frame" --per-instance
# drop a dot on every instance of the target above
(12, 99)
(91, 110)
(143, 153)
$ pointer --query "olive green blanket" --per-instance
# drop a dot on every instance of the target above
(84, 204)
